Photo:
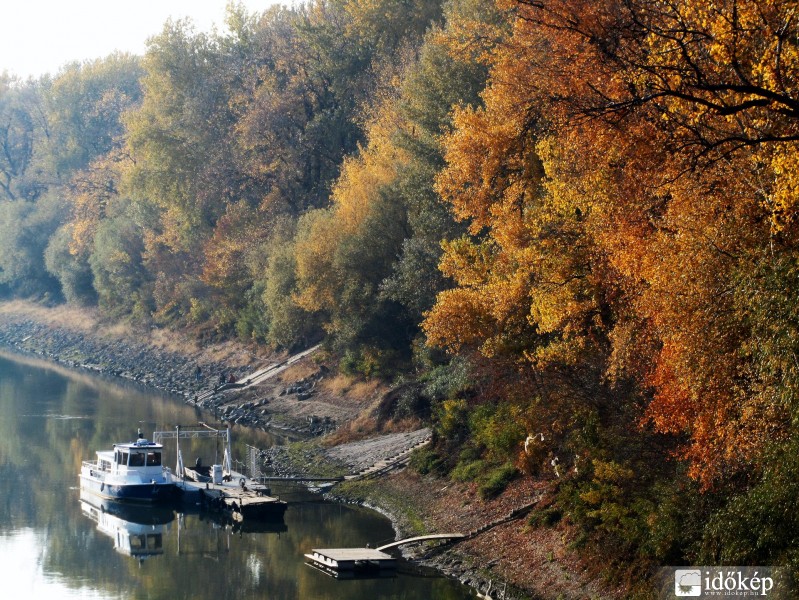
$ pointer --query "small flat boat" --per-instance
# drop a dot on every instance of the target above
(203, 473)
(130, 472)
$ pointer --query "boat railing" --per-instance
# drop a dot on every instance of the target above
(94, 470)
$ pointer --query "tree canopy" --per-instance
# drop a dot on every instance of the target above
(571, 217)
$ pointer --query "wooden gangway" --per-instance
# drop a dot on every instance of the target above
(297, 478)
(422, 538)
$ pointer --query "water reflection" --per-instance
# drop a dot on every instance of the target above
(53, 545)
(138, 540)
(136, 531)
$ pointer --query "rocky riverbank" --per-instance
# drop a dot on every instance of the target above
(206, 375)
(77, 339)
(535, 563)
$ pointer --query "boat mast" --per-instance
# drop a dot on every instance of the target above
(227, 467)
(179, 465)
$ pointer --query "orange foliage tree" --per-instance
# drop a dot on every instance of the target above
(629, 188)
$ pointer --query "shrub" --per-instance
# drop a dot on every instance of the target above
(545, 517)
(497, 481)
(468, 470)
(426, 461)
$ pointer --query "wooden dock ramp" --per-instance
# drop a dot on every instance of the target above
(421, 538)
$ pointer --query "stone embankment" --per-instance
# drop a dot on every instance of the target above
(188, 372)
(170, 372)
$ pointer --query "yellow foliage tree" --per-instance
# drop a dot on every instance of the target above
(631, 168)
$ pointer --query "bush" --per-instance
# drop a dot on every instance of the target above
(545, 517)
(447, 381)
(73, 271)
(498, 428)
(426, 461)
(497, 481)
(759, 525)
(468, 470)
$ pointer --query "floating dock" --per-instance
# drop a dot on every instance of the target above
(219, 487)
(348, 562)
(243, 503)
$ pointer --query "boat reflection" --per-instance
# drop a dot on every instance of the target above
(142, 531)
(137, 531)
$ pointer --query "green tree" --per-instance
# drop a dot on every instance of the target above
(122, 282)
(85, 103)
(25, 229)
(20, 132)
(71, 269)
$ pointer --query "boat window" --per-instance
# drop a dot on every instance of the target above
(138, 542)
(136, 459)
(155, 541)
(122, 458)
(153, 459)
(105, 465)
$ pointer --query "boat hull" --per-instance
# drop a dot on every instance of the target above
(137, 493)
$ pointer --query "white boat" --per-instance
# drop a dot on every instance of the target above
(131, 472)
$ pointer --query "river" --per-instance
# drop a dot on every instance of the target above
(53, 545)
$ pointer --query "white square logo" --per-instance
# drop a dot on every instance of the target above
(688, 582)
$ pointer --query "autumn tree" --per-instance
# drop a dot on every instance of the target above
(20, 131)
(344, 252)
(442, 78)
(85, 103)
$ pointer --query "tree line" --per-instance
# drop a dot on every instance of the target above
(557, 217)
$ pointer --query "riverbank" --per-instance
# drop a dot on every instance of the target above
(305, 398)
(309, 398)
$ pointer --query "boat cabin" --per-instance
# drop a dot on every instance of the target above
(138, 456)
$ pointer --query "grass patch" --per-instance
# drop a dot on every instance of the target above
(362, 427)
(338, 385)
(299, 370)
(545, 517)
(496, 481)
(425, 461)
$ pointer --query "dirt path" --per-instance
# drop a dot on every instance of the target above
(369, 456)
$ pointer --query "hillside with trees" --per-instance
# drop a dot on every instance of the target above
(566, 219)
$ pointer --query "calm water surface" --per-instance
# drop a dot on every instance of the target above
(53, 545)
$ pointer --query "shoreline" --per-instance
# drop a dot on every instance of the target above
(97, 352)
(413, 503)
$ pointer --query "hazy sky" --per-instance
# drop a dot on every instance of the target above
(39, 36)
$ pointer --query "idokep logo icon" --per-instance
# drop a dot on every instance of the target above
(727, 582)
(688, 582)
